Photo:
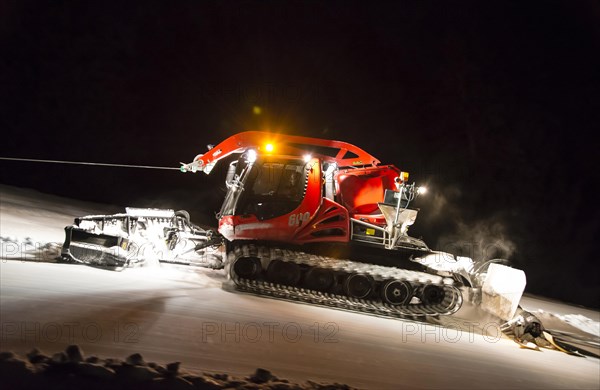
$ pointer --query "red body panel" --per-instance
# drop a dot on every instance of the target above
(359, 191)
(330, 224)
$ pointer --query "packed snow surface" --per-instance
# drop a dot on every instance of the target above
(177, 313)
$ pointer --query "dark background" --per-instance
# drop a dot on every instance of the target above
(494, 105)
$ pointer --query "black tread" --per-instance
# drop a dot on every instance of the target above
(372, 305)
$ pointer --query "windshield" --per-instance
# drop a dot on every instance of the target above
(266, 189)
(279, 179)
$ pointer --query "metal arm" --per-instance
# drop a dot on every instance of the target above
(341, 153)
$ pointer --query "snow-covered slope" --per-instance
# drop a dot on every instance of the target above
(41, 217)
(173, 313)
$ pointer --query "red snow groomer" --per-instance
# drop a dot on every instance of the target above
(323, 222)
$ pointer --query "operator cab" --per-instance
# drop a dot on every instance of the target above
(268, 187)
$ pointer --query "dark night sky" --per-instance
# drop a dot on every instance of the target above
(493, 104)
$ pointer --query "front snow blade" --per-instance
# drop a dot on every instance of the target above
(502, 291)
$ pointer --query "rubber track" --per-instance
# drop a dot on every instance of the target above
(451, 303)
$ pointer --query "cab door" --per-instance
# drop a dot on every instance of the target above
(281, 197)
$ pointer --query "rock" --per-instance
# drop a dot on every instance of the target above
(136, 359)
(69, 369)
(39, 359)
(220, 377)
(175, 383)
(16, 373)
(248, 386)
(132, 373)
(261, 376)
(284, 386)
(59, 357)
(41, 367)
(236, 384)
(7, 355)
(74, 353)
(113, 363)
(92, 359)
(14, 366)
(96, 370)
(62, 369)
(335, 386)
(173, 368)
(162, 371)
(203, 383)
(32, 354)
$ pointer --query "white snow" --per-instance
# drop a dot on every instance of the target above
(170, 313)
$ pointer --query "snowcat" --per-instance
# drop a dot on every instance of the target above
(309, 220)
(324, 222)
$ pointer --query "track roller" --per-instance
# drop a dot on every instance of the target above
(358, 286)
(397, 292)
(319, 279)
(283, 272)
(247, 267)
(432, 295)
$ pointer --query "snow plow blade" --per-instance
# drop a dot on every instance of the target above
(95, 249)
(140, 237)
(502, 290)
